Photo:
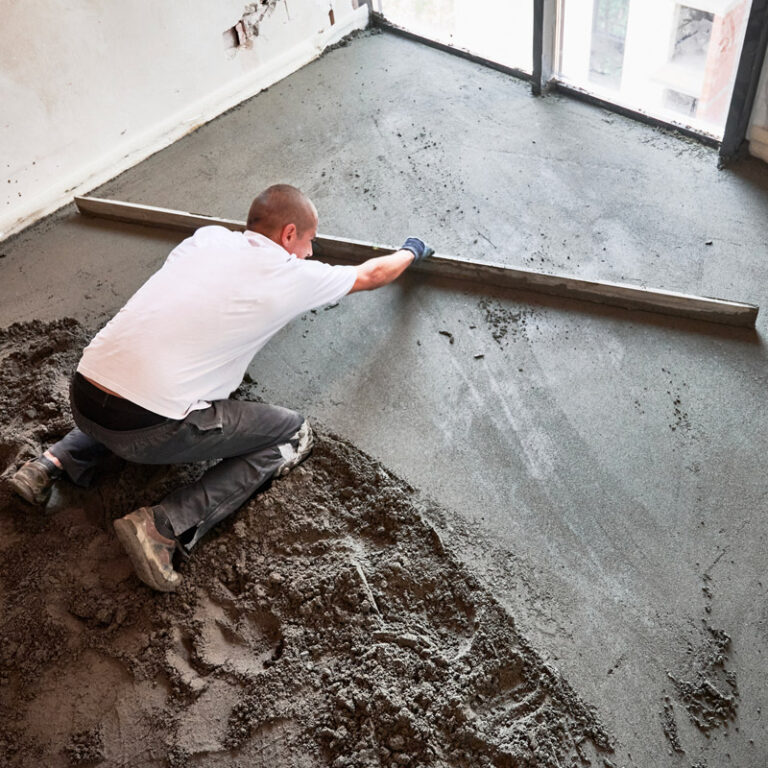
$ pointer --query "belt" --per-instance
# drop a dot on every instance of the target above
(110, 411)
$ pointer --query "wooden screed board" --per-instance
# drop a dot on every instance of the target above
(338, 249)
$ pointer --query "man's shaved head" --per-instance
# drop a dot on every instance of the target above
(279, 205)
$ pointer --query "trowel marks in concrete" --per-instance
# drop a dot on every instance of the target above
(326, 624)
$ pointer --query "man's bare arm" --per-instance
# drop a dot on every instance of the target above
(382, 270)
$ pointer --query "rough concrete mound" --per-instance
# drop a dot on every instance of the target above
(328, 623)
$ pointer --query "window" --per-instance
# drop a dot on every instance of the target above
(500, 31)
(672, 61)
(609, 31)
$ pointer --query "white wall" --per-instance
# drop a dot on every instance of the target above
(758, 128)
(88, 88)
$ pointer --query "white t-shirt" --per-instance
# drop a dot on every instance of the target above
(187, 335)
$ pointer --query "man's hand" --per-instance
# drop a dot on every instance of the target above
(418, 248)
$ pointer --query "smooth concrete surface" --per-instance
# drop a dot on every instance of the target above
(608, 466)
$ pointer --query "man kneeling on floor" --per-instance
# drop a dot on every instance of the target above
(153, 385)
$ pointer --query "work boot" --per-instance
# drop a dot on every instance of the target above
(150, 552)
(296, 450)
(34, 479)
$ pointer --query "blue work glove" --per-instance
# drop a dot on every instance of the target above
(418, 248)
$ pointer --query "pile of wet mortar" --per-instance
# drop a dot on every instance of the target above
(326, 623)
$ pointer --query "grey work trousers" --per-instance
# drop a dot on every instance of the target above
(245, 435)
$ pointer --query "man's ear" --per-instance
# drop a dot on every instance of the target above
(288, 236)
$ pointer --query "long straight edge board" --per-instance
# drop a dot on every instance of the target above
(486, 273)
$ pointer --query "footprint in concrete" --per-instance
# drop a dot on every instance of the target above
(235, 640)
(182, 664)
(514, 709)
(507, 697)
(421, 594)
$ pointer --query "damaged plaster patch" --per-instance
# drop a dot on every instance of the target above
(327, 623)
(255, 13)
(242, 33)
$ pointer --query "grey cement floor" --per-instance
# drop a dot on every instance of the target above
(606, 465)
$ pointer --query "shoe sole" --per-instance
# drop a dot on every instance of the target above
(26, 492)
(306, 442)
(128, 535)
(301, 451)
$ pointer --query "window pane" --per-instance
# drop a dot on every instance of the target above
(675, 61)
(498, 30)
